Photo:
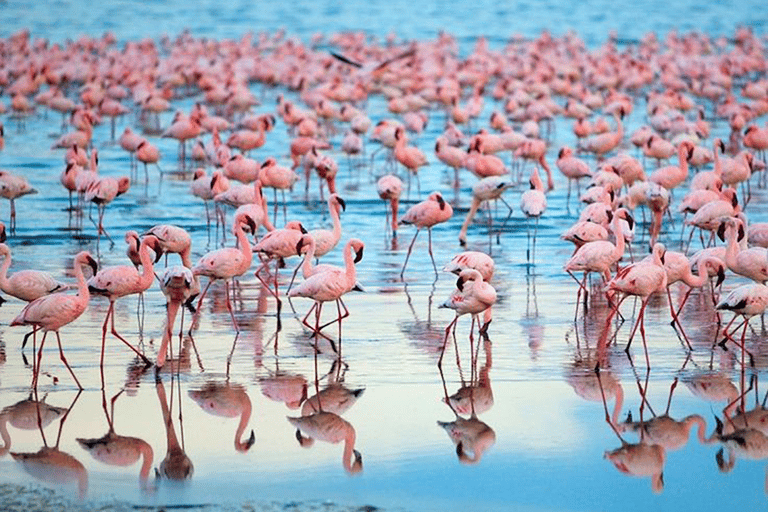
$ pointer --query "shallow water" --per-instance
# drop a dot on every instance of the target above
(549, 434)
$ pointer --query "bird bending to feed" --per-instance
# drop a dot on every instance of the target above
(433, 210)
(331, 428)
(52, 312)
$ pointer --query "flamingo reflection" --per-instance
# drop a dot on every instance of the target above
(27, 414)
(282, 386)
(117, 450)
(227, 400)
(176, 465)
(335, 396)
(51, 465)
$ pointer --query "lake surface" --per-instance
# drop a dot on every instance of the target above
(537, 396)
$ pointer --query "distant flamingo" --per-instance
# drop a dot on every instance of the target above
(52, 312)
(13, 186)
(533, 202)
(410, 157)
(390, 187)
(147, 153)
(103, 191)
(472, 296)
(426, 214)
(227, 263)
(572, 168)
(331, 428)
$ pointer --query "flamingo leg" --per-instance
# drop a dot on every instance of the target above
(676, 320)
(229, 307)
(64, 360)
(410, 248)
(432, 257)
(36, 370)
(445, 341)
(118, 336)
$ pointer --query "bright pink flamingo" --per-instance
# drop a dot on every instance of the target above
(533, 202)
(147, 153)
(410, 157)
(433, 210)
(329, 284)
(472, 296)
(390, 187)
(119, 281)
(572, 168)
(13, 186)
(326, 240)
(52, 312)
(640, 279)
(227, 263)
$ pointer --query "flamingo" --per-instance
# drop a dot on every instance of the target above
(390, 187)
(641, 279)
(533, 202)
(326, 240)
(103, 191)
(26, 285)
(330, 284)
(599, 256)
(119, 281)
(13, 186)
(426, 214)
(207, 187)
(572, 168)
(180, 286)
(674, 175)
(52, 312)
(751, 262)
(147, 153)
(227, 263)
(331, 428)
(472, 296)
(640, 459)
(486, 190)
(410, 157)
(472, 259)
(469, 435)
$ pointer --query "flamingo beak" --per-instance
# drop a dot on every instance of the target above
(720, 276)
(342, 203)
(92, 263)
(441, 202)
(299, 245)
(302, 229)
(359, 255)
(460, 284)
(721, 232)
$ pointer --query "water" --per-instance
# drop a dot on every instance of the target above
(546, 449)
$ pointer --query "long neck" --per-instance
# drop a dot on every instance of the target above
(82, 285)
(619, 397)
(618, 252)
(245, 416)
(682, 158)
(697, 420)
(266, 222)
(185, 257)
(146, 464)
(307, 268)
(718, 163)
(349, 449)
(349, 265)
(394, 203)
(336, 222)
(731, 250)
(5, 435)
(147, 273)
(244, 245)
(173, 308)
(4, 271)
(700, 278)
(470, 215)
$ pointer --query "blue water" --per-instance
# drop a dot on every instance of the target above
(549, 444)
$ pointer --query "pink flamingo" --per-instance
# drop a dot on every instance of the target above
(674, 175)
(599, 256)
(640, 279)
(147, 153)
(329, 284)
(229, 401)
(180, 286)
(433, 210)
(487, 189)
(533, 202)
(206, 187)
(390, 187)
(326, 240)
(13, 186)
(227, 263)
(52, 312)
(410, 157)
(572, 168)
(103, 191)
(182, 129)
(474, 296)
(130, 141)
(119, 281)
(471, 259)
(277, 177)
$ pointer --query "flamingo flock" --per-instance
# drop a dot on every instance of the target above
(476, 128)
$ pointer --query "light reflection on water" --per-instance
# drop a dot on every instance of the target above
(546, 415)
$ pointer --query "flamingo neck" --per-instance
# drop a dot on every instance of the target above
(244, 245)
(394, 203)
(147, 458)
(349, 449)
(336, 222)
(470, 215)
(618, 404)
(349, 265)
(617, 231)
(5, 435)
(245, 416)
(731, 250)
(4, 271)
(307, 268)
(718, 164)
(173, 308)
(147, 273)
(700, 278)
(82, 285)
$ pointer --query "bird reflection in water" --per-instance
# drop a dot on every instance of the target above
(471, 436)
(51, 465)
(118, 450)
(321, 420)
(176, 465)
(532, 323)
(230, 401)
(282, 386)
(28, 414)
(335, 396)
